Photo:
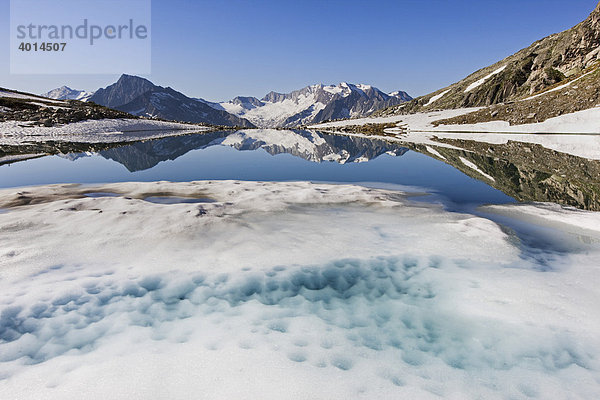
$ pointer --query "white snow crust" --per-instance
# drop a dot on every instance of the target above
(437, 97)
(91, 131)
(282, 291)
(481, 81)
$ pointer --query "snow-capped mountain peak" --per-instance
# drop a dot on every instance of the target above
(66, 93)
(311, 104)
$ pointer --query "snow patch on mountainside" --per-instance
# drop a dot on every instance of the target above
(482, 80)
(560, 87)
(437, 97)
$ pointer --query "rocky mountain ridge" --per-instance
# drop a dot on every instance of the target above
(138, 96)
(311, 104)
(548, 64)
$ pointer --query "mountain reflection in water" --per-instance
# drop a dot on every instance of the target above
(310, 146)
(523, 171)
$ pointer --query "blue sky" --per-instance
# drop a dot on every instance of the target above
(220, 49)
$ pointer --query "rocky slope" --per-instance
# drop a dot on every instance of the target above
(312, 104)
(35, 110)
(547, 64)
(139, 96)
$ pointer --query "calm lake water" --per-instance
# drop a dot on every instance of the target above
(263, 155)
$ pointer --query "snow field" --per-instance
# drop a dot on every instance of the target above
(91, 131)
(266, 292)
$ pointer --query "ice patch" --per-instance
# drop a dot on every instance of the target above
(368, 315)
(554, 215)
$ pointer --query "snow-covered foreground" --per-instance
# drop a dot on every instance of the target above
(284, 290)
(92, 131)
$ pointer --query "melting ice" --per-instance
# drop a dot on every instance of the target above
(282, 290)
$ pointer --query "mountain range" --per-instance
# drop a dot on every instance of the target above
(312, 104)
(556, 75)
(139, 96)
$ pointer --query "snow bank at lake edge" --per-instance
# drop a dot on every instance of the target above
(91, 131)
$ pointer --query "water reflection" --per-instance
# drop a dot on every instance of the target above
(524, 171)
(310, 146)
(261, 155)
